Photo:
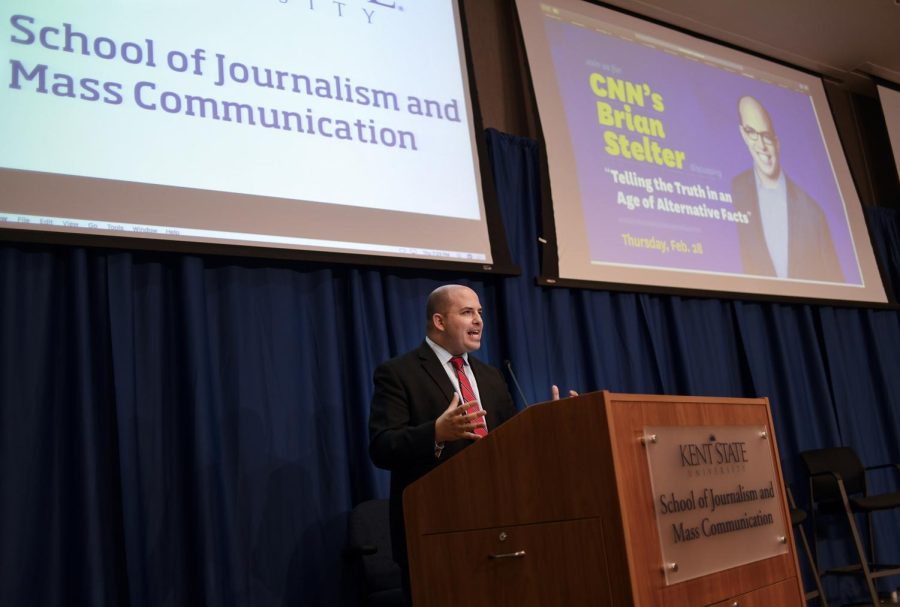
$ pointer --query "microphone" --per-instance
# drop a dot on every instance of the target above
(516, 382)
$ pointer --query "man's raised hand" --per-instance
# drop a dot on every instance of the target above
(454, 423)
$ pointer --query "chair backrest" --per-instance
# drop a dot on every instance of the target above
(369, 525)
(843, 461)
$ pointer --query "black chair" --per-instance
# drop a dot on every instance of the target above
(837, 486)
(798, 517)
(369, 552)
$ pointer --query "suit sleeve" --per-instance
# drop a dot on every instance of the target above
(393, 442)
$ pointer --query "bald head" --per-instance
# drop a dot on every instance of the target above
(758, 134)
(439, 302)
(749, 108)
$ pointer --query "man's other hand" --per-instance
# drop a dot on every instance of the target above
(554, 393)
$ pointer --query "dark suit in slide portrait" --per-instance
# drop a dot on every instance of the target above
(788, 234)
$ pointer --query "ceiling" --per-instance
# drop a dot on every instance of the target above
(843, 40)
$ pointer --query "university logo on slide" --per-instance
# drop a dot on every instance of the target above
(351, 9)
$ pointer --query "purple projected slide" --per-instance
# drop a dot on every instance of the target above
(673, 176)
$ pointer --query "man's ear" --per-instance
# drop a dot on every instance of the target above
(437, 321)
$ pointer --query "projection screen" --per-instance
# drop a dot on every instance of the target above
(274, 123)
(678, 163)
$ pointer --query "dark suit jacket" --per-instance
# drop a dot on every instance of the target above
(411, 392)
(811, 253)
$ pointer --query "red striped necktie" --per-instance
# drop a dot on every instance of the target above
(465, 388)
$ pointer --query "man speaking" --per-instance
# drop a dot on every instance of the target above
(434, 401)
(788, 234)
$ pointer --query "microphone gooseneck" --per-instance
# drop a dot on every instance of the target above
(516, 382)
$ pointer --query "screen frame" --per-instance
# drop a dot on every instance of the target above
(549, 275)
(501, 262)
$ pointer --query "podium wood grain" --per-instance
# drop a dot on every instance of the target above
(561, 493)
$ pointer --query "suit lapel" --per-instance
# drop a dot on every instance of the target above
(795, 228)
(759, 250)
(433, 368)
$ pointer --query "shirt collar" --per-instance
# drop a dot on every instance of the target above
(442, 354)
(781, 186)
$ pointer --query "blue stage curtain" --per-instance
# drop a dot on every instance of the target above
(884, 226)
(192, 430)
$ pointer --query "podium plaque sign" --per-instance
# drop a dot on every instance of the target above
(716, 497)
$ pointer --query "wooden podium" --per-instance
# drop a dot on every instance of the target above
(556, 507)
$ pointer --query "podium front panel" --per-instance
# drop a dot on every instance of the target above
(555, 507)
(628, 416)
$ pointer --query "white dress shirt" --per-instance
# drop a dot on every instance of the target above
(773, 213)
(444, 358)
